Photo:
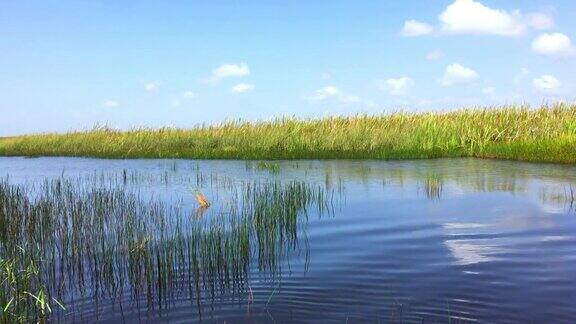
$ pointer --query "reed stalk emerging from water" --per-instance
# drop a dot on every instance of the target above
(546, 134)
(66, 241)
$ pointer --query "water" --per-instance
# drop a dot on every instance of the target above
(451, 240)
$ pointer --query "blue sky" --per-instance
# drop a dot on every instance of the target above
(68, 65)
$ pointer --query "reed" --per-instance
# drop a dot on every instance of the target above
(201, 199)
(272, 167)
(69, 240)
(545, 134)
(433, 187)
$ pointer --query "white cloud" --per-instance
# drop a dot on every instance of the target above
(472, 17)
(325, 93)
(435, 55)
(399, 86)
(242, 87)
(229, 70)
(151, 86)
(539, 21)
(413, 28)
(458, 74)
(326, 76)
(546, 83)
(188, 94)
(178, 100)
(554, 44)
(111, 104)
(332, 92)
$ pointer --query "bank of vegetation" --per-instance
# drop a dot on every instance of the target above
(544, 134)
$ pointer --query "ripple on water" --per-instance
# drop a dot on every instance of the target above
(460, 240)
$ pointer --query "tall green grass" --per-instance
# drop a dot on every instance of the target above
(68, 240)
(546, 134)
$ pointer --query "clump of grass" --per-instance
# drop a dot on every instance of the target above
(67, 240)
(23, 293)
(545, 134)
(272, 167)
(433, 187)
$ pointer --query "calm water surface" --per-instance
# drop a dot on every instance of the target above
(451, 240)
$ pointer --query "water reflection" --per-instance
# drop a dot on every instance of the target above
(557, 198)
(306, 241)
(468, 252)
(433, 187)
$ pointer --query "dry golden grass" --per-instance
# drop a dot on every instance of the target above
(202, 200)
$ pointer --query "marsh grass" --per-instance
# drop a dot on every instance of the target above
(546, 134)
(272, 167)
(433, 187)
(67, 240)
(24, 294)
(564, 196)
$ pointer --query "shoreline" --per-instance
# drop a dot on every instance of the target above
(542, 135)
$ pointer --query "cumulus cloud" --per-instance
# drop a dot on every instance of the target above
(179, 99)
(435, 55)
(242, 87)
(458, 74)
(413, 28)
(111, 104)
(553, 44)
(546, 83)
(229, 70)
(333, 93)
(152, 86)
(397, 87)
(473, 17)
(325, 93)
